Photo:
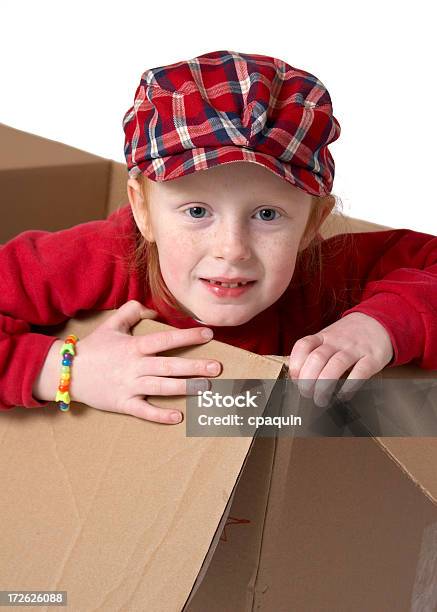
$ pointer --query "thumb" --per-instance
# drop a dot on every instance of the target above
(128, 315)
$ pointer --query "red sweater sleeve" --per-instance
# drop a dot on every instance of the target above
(46, 278)
(396, 283)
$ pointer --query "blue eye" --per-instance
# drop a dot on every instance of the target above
(196, 208)
(270, 211)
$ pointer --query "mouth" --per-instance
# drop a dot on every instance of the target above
(228, 285)
(229, 290)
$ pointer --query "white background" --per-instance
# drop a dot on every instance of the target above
(69, 72)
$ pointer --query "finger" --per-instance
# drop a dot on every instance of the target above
(143, 409)
(302, 348)
(158, 342)
(179, 366)
(312, 368)
(364, 369)
(155, 385)
(340, 362)
(127, 316)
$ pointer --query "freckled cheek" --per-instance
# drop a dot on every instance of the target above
(280, 256)
(176, 256)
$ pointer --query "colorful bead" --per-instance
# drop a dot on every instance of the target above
(68, 352)
(67, 348)
(63, 396)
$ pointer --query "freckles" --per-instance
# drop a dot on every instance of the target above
(175, 256)
(281, 256)
(282, 246)
(174, 242)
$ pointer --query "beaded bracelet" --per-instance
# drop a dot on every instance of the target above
(67, 351)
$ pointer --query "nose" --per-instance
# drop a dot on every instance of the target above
(232, 242)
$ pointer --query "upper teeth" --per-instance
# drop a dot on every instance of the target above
(231, 285)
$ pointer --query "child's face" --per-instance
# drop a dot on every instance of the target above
(233, 220)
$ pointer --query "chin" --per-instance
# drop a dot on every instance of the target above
(226, 320)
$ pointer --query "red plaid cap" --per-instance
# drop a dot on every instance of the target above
(226, 106)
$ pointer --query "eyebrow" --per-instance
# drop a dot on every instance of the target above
(187, 198)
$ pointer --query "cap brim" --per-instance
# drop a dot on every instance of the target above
(202, 158)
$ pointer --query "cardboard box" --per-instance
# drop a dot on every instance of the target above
(125, 514)
(48, 185)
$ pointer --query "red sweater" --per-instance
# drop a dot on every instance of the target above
(49, 277)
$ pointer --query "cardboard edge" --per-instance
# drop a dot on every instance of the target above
(380, 442)
(216, 538)
(93, 156)
(160, 326)
(266, 507)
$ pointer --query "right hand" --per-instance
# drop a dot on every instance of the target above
(113, 370)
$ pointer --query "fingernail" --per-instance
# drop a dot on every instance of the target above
(305, 388)
(207, 333)
(176, 417)
(214, 368)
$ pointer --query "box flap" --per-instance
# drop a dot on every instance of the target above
(23, 150)
(118, 511)
(415, 456)
(35, 172)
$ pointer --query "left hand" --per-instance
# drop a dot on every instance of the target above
(356, 341)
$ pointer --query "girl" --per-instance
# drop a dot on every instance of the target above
(230, 179)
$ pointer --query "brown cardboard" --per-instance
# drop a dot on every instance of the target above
(128, 512)
(130, 515)
(118, 511)
(346, 524)
(47, 185)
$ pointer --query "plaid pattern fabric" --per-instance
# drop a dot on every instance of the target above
(226, 106)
